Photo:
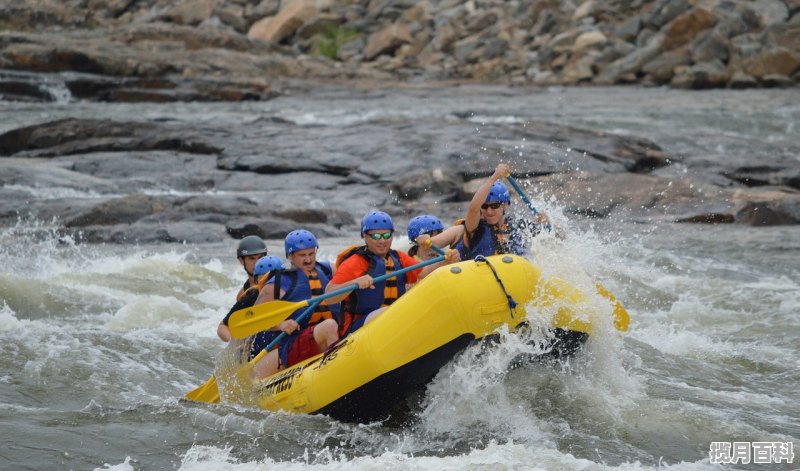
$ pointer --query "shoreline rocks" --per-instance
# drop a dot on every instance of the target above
(199, 50)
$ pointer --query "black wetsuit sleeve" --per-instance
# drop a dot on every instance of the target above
(248, 300)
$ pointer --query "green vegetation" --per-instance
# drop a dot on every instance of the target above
(330, 39)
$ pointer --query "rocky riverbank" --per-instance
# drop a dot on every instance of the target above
(188, 50)
(169, 176)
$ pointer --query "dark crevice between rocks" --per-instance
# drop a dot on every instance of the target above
(710, 218)
(75, 136)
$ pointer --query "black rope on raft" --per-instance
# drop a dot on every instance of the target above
(511, 303)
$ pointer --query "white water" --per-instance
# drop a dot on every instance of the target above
(99, 343)
(111, 337)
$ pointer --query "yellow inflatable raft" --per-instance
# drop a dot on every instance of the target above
(366, 374)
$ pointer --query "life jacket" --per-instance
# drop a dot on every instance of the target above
(493, 240)
(263, 281)
(363, 301)
(298, 286)
(247, 298)
(245, 288)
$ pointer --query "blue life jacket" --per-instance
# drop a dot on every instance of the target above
(296, 285)
(485, 239)
(363, 301)
(298, 288)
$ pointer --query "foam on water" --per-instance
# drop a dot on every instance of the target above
(492, 456)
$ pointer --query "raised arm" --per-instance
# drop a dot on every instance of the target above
(474, 209)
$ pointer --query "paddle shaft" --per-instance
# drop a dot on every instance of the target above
(319, 299)
(378, 279)
(526, 199)
(249, 321)
(621, 316)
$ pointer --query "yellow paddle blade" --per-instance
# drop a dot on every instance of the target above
(252, 320)
(621, 317)
(209, 392)
(557, 291)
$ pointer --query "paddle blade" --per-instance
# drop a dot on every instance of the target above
(252, 320)
(209, 392)
(621, 317)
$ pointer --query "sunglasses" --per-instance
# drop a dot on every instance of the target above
(491, 205)
(381, 235)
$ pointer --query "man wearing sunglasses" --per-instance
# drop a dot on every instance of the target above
(486, 230)
(361, 264)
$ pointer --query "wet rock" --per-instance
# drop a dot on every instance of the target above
(580, 67)
(189, 12)
(254, 11)
(124, 210)
(589, 39)
(632, 63)
(762, 175)
(664, 11)
(771, 11)
(740, 80)
(685, 27)
(153, 171)
(708, 218)
(266, 228)
(662, 67)
(79, 136)
(777, 81)
(783, 35)
(777, 60)
(146, 233)
(711, 46)
(628, 29)
(285, 23)
(699, 76)
(195, 41)
(648, 197)
(387, 41)
(437, 183)
(768, 208)
(20, 86)
(40, 177)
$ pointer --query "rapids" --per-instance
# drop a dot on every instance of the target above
(98, 343)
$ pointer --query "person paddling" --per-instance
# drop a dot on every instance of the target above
(306, 279)
(487, 229)
(360, 264)
(261, 271)
(423, 224)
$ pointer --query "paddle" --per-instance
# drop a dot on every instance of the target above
(526, 200)
(209, 392)
(621, 317)
(246, 322)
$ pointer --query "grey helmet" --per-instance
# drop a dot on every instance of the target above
(251, 245)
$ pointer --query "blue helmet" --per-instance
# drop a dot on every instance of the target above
(498, 194)
(376, 220)
(267, 264)
(300, 239)
(423, 225)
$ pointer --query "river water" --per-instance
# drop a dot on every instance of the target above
(98, 344)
